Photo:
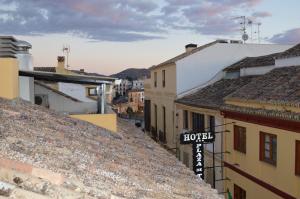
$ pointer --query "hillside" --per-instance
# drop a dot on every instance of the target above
(133, 73)
(45, 155)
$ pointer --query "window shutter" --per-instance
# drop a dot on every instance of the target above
(261, 146)
(297, 159)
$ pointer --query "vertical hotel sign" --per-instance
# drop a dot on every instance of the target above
(197, 140)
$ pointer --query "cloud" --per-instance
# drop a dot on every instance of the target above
(261, 14)
(213, 17)
(288, 37)
(120, 20)
(110, 20)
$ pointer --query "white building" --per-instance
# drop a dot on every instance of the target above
(138, 84)
(122, 86)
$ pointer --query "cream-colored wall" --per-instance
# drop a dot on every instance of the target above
(208, 159)
(9, 78)
(107, 121)
(281, 176)
(253, 190)
(163, 96)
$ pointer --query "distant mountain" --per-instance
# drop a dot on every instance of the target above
(132, 73)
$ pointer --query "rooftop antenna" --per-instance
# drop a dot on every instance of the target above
(258, 31)
(245, 36)
(250, 23)
(66, 52)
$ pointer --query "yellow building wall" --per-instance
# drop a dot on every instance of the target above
(107, 121)
(253, 190)
(281, 176)
(9, 78)
(163, 96)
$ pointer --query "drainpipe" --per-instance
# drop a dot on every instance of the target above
(101, 98)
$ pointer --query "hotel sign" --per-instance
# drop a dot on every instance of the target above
(198, 140)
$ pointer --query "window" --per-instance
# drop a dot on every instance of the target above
(198, 122)
(164, 78)
(185, 159)
(164, 118)
(155, 79)
(92, 91)
(239, 193)
(185, 119)
(268, 148)
(155, 116)
(239, 140)
(212, 124)
(297, 159)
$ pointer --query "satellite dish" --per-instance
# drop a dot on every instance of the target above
(245, 37)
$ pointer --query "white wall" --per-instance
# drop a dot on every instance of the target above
(199, 68)
(63, 104)
(76, 91)
(293, 61)
(260, 70)
(26, 88)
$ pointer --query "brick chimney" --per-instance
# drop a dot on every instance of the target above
(190, 47)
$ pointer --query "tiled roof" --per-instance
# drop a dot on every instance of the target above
(266, 60)
(183, 55)
(212, 95)
(56, 91)
(280, 86)
(70, 158)
(45, 69)
(292, 52)
(286, 115)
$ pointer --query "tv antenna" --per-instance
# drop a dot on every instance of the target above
(243, 23)
(66, 52)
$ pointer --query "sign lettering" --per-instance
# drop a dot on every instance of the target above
(197, 140)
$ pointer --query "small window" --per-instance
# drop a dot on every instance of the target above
(155, 79)
(185, 119)
(164, 78)
(239, 139)
(185, 159)
(297, 159)
(239, 193)
(198, 122)
(92, 91)
(268, 148)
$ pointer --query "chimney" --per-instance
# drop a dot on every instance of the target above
(60, 64)
(9, 68)
(190, 47)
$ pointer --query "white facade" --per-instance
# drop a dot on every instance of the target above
(204, 67)
(62, 104)
(122, 86)
(138, 84)
(291, 61)
(77, 91)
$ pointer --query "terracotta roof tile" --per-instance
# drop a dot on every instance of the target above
(292, 52)
(280, 86)
(248, 62)
(212, 95)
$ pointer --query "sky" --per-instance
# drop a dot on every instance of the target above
(107, 36)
